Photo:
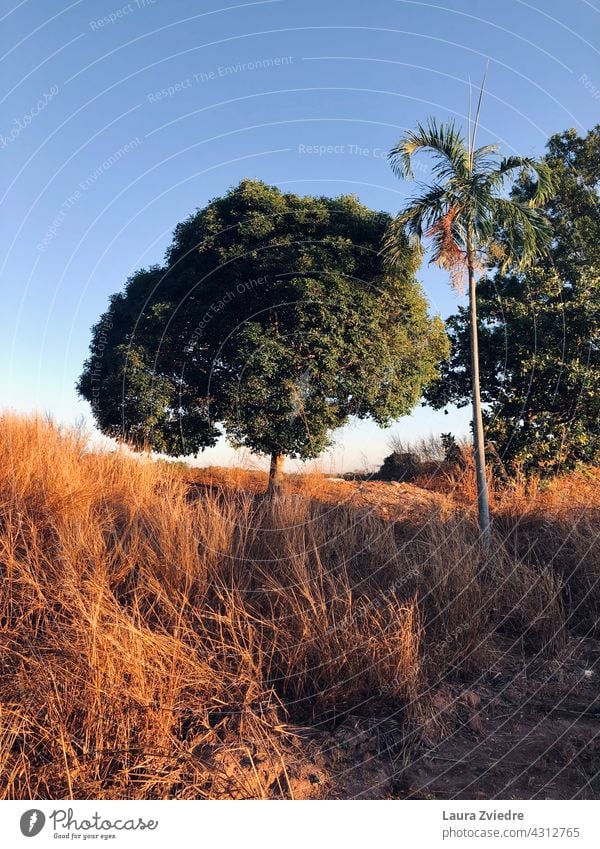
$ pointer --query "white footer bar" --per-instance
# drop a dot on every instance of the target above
(311, 825)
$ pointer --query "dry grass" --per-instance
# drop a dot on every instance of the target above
(164, 641)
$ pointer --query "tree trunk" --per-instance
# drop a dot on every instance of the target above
(275, 473)
(483, 506)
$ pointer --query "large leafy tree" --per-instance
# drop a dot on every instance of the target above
(275, 318)
(540, 329)
(461, 213)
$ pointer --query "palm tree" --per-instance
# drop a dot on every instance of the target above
(470, 219)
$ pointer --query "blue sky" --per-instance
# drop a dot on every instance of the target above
(119, 119)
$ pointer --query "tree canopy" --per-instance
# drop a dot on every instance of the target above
(273, 317)
(539, 334)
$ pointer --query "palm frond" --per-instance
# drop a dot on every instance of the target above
(443, 140)
(416, 219)
(538, 169)
(422, 210)
(395, 241)
(526, 233)
(484, 157)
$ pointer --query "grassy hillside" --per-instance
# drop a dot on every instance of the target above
(166, 640)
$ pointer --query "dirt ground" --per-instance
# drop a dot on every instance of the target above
(391, 500)
(511, 734)
(515, 734)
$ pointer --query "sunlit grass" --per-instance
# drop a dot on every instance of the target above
(160, 640)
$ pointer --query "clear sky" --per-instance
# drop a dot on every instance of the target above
(119, 119)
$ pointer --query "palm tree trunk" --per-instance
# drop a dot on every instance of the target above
(483, 507)
(275, 473)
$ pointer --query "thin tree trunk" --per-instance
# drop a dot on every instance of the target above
(483, 506)
(275, 473)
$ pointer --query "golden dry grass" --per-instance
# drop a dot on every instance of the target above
(160, 640)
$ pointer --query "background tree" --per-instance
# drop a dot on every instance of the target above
(540, 329)
(461, 213)
(275, 318)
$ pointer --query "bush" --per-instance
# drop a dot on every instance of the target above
(399, 466)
